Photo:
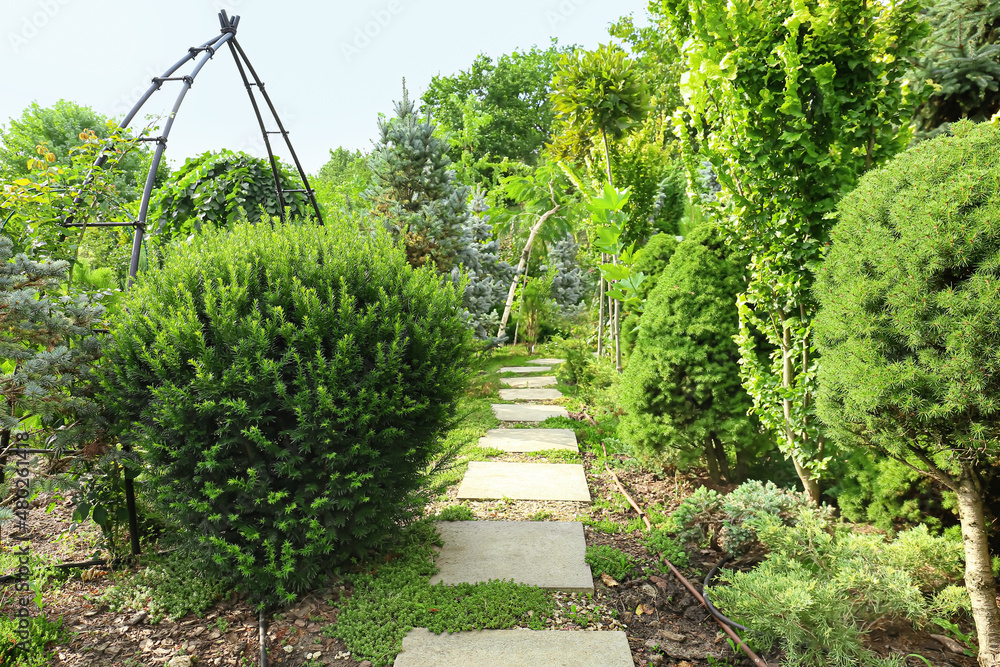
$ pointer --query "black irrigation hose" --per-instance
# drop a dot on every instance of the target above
(711, 607)
(87, 563)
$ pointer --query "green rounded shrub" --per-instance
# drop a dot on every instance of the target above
(287, 385)
(681, 390)
(651, 259)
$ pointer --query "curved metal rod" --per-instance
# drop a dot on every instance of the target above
(240, 56)
(161, 145)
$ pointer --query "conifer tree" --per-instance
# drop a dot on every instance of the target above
(48, 347)
(413, 191)
(415, 196)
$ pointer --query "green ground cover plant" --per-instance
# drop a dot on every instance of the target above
(170, 586)
(398, 597)
(42, 633)
(604, 559)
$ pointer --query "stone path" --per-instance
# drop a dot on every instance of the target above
(515, 648)
(529, 439)
(525, 369)
(541, 381)
(547, 554)
(515, 412)
(493, 480)
(529, 394)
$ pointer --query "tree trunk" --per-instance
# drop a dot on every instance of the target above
(522, 267)
(809, 483)
(723, 460)
(979, 579)
(742, 466)
(713, 463)
(618, 333)
(600, 315)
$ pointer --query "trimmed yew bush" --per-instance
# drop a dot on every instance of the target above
(287, 385)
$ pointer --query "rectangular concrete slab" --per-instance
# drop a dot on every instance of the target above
(541, 381)
(546, 362)
(530, 394)
(529, 439)
(524, 369)
(512, 412)
(515, 648)
(492, 480)
(547, 554)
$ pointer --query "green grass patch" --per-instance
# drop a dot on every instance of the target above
(557, 455)
(455, 513)
(398, 597)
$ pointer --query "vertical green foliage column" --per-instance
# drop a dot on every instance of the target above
(790, 101)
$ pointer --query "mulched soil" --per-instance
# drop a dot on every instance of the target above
(664, 623)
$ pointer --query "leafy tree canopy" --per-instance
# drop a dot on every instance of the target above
(58, 128)
(497, 109)
(342, 181)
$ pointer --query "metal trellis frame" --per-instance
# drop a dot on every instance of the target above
(201, 54)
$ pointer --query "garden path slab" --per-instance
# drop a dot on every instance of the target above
(492, 480)
(530, 439)
(546, 362)
(547, 554)
(530, 394)
(515, 648)
(512, 412)
(541, 381)
(524, 369)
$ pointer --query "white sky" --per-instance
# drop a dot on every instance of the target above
(327, 83)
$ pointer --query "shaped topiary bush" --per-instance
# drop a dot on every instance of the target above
(681, 391)
(287, 385)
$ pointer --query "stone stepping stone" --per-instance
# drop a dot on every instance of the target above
(546, 362)
(515, 648)
(493, 480)
(529, 439)
(541, 381)
(530, 394)
(547, 554)
(524, 369)
(513, 412)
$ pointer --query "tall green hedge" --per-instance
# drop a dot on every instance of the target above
(287, 385)
(681, 390)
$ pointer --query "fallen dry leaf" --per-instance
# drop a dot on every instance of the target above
(608, 580)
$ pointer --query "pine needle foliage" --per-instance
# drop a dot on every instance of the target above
(823, 586)
(288, 384)
(681, 390)
(47, 345)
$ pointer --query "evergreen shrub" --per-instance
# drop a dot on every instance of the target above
(651, 260)
(681, 391)
(288, 385)
(823, 585)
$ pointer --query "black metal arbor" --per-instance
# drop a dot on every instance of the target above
(202, 54)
